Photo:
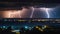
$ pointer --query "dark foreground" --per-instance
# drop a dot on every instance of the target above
(34, 30)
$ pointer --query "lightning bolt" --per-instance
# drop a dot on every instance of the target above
(47, 11)
(32, 12)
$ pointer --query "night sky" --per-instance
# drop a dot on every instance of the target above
(49, 10)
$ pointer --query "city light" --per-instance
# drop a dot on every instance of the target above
(26, 27)
(3, 26)
(44, 27)
(40, 29)
(37, 27)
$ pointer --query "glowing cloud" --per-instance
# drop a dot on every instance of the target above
(12, 13)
